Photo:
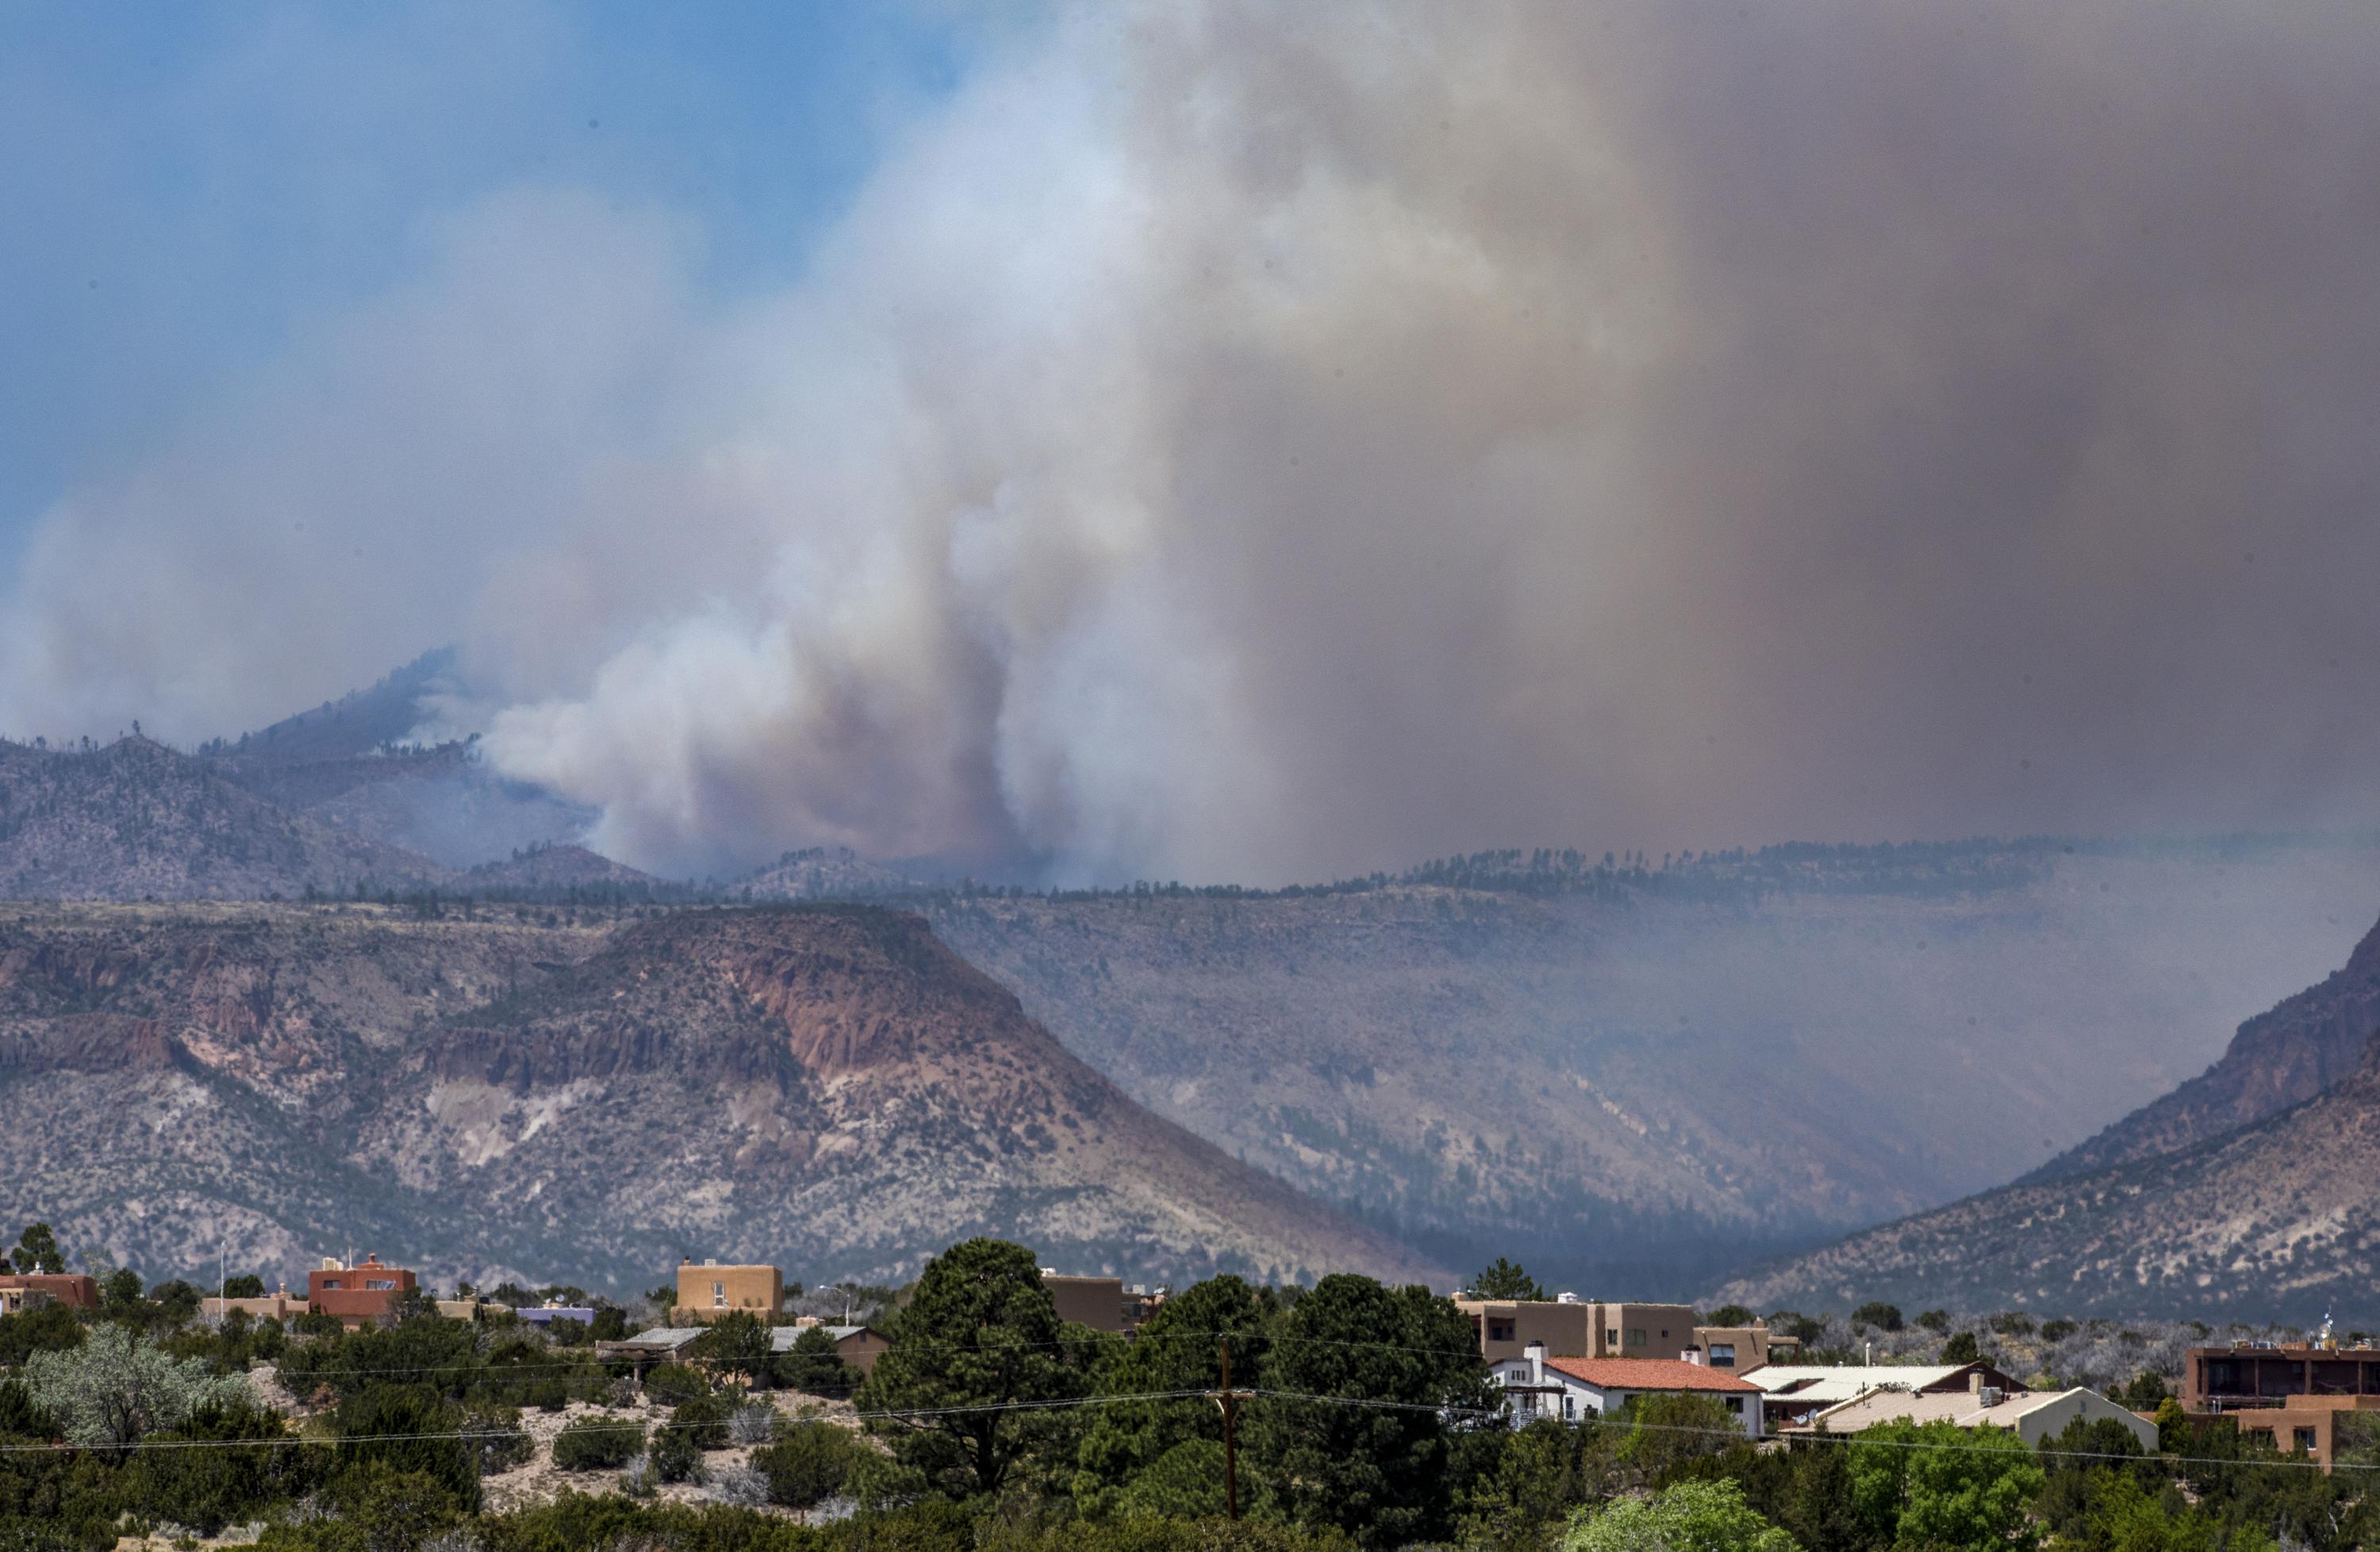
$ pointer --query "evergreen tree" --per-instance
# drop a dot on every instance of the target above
(1504, 1279)
(980, 1331)
(1178, 1350)
(1356, 1433)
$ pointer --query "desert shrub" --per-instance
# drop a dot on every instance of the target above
(676, 1454)
(117, 1386)
(668, 1384)
(205, 1489)
(1963, 1348)
(598, 1443)
(546, 1395)
(2012, 1323)
(1728, 1314)
(807, 1466)
(411, 1430)
(703, 1419)
(1935, 1321)
(754, 1422)
(502, 1443)
(739, 1485)
(2058, 1330)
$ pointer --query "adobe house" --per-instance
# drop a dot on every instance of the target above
(70, 1288)
(2292, 1394)
(1572, 1327)
(356, 1292)
(707, 1291)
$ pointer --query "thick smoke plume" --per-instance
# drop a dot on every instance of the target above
(1248, 441)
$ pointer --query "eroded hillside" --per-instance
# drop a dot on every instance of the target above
(830, 1089)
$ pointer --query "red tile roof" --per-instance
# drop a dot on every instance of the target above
(1650, 1374)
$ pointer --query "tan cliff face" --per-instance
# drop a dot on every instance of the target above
(829, 1089)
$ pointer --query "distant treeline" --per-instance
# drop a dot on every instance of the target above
(1913, 868)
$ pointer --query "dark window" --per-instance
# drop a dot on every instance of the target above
(2305, 1441)
(1722, 1355)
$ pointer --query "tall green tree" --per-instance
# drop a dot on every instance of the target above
(1542, 1473)
(1941, 1486)
(1366, 1386)
(37, 1251)
(1703, 1516)
(738, 1344)
(1179, 1349)
(1505, 1279)
(978, 1343)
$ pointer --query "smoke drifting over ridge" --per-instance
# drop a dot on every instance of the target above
(1231, 445)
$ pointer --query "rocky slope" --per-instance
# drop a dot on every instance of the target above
(2277, 1059)
(830, 1089)
(136, 820)
(2276, 1219)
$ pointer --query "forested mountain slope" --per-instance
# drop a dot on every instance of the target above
(1661, 1082)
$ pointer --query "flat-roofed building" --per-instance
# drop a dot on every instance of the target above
(356, 1292)
(71, 1289)
(2248, 1374)
(1096, 1301)
(1741, 1349)
(2292, 1395)
(710, 1290)
(1506, 1327)
(1579, 1329)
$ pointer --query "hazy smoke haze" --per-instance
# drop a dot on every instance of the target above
(1246, 442)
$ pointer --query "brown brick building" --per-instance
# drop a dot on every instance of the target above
(357, 1293)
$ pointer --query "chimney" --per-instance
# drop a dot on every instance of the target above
(1976, 1382)
(1536, 1354)
(1693, 1355)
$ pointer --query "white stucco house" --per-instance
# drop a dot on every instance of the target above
(1580, 1389)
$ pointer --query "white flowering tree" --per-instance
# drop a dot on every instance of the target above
(117, 1386)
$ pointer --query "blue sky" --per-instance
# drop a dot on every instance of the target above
(185, 183)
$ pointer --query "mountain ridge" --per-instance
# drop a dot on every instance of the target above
(828, 1088)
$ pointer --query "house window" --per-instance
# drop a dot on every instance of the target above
(718, 1295)
(1722, 1355)
(2305, 1441)
(1570, 1406)
(378, 1282)
(331, 1282)
(1500, 1331)
(1735, 1405)
(1635, 1336)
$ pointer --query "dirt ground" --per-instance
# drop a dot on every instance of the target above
(538, 1480)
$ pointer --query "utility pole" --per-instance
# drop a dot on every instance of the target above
(1228, 1400)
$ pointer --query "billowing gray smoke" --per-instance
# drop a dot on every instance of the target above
(1253, 441)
